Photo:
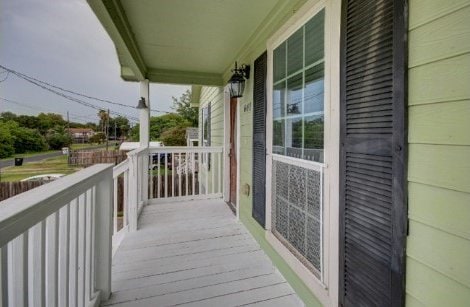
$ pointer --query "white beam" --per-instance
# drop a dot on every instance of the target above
(144, 116)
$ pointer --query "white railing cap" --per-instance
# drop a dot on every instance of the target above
(20, 212)
(120, 168)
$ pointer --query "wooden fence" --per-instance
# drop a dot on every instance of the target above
(86, 158)
(10, 189)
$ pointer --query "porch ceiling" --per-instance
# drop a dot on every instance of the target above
(180, 41)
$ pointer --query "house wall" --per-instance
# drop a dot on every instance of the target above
(214, 96)
(438, 246)
(255, 47)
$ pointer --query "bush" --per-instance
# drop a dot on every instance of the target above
(28, 140)
(25, 139)
(6, 142)
(98, 137)
(174, 136)
(57, 140)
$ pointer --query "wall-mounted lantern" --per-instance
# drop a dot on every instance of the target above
(237, 81)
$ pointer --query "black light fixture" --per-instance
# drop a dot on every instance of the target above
(237, 81)
(141, 104)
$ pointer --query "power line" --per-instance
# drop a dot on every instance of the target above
(36, 81)
(84, 103)
(6, 76)
(35, 108)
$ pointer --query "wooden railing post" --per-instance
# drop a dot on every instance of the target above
(103, 235)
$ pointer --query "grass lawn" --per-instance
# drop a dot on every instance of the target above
(56, 165)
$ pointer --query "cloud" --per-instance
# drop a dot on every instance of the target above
(62, 42)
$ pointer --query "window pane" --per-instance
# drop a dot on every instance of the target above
(279, 62)
(278, 136)
(314, 37)
(279, 100)
(314, 89)
(294, 137)
(295, 52)
(294, 95)
(313, 138)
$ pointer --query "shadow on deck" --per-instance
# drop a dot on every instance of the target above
(195, 253)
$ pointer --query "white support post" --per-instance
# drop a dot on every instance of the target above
(103, 235)
(144, 118)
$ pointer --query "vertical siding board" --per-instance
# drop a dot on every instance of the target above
(439, 169)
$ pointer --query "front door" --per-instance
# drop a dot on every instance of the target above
(233, 153)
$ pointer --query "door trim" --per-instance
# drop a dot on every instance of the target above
(227, 179)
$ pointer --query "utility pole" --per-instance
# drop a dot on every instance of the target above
(107, 131)
(115, 132)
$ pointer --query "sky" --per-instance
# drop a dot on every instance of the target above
(63, 43)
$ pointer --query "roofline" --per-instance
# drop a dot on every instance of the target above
(111, 15)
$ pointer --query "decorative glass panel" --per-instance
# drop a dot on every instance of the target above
(297, 213)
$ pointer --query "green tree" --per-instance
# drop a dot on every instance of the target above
(47, 121)
(160, 124)
(121, 124)
(175, 136)
(103, 116)
(58, 138)
(6, 141)
(7, 116)
(98, 138)
(25, 139)
(182, 106)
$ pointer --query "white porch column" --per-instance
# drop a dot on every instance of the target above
(144, 139)
(144, 116)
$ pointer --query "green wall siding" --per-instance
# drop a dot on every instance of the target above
(214, 96)
(438, 246)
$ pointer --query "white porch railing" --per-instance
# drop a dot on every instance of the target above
(56, 242)
(184, 173)
(163, 174)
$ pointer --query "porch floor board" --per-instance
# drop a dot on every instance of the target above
(195, 254)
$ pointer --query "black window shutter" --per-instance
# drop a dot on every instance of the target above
(259, 139)
(372, 159)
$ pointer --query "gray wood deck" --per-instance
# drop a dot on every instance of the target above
(195, 254)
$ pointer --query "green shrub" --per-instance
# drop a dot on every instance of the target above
(6, 142)
(174, 136)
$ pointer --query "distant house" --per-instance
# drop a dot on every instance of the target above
(81, 135)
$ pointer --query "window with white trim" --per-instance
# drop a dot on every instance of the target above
(298, 93)
(298, 106)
